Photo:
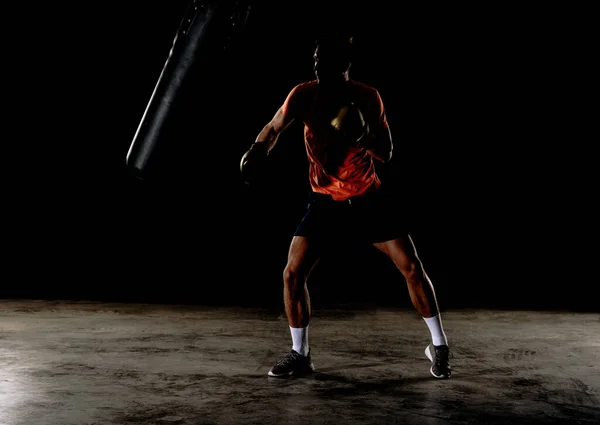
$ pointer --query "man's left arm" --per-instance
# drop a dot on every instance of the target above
(377, 140)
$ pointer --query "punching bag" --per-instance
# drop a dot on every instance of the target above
(204, 32)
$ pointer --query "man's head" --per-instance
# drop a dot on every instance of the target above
(333, 56)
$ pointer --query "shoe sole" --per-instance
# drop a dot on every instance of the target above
(430, 357)
(310, 369)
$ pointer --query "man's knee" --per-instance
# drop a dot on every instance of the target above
(412, 271)
(292, 278)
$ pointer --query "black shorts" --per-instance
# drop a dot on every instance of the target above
(369, 218)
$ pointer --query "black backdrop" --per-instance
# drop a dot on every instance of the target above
(479, 160)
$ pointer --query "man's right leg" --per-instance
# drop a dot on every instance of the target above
(302, 257)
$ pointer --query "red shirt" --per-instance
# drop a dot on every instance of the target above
(336, 168)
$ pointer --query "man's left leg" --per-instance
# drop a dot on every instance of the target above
(403, 253)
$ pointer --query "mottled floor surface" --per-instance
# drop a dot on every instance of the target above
(84, 363)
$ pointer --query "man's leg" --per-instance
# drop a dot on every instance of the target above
(403, 253)
(302, 257)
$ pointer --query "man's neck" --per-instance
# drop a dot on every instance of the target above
(334, 84)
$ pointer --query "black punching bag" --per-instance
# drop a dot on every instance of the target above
(204, 32)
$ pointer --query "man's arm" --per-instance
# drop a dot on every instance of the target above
(378, 139)
(270, 132)
(268, 136)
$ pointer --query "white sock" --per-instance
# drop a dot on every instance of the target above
(300, 340)
(437, 331)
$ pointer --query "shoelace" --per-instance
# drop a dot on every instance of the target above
(442, 357)
(288, 358)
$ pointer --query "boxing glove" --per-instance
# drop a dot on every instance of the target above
(350, 124)
(253, 162)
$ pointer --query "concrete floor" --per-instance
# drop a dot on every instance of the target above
(92, 363)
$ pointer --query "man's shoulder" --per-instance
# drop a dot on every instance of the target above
(298, 96)
(301, 92)
(305, 86)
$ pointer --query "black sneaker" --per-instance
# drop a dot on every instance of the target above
(292, 363)
(440, 356)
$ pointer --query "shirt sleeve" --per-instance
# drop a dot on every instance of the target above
(292, 105)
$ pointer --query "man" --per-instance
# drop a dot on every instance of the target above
(345, 132)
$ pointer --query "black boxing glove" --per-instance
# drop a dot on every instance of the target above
(253, 162)
(350, 124)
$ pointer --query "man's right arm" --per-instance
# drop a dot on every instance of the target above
(268, 136)
(270, 132)
(284, 116)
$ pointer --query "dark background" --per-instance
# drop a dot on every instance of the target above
(485, 162)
